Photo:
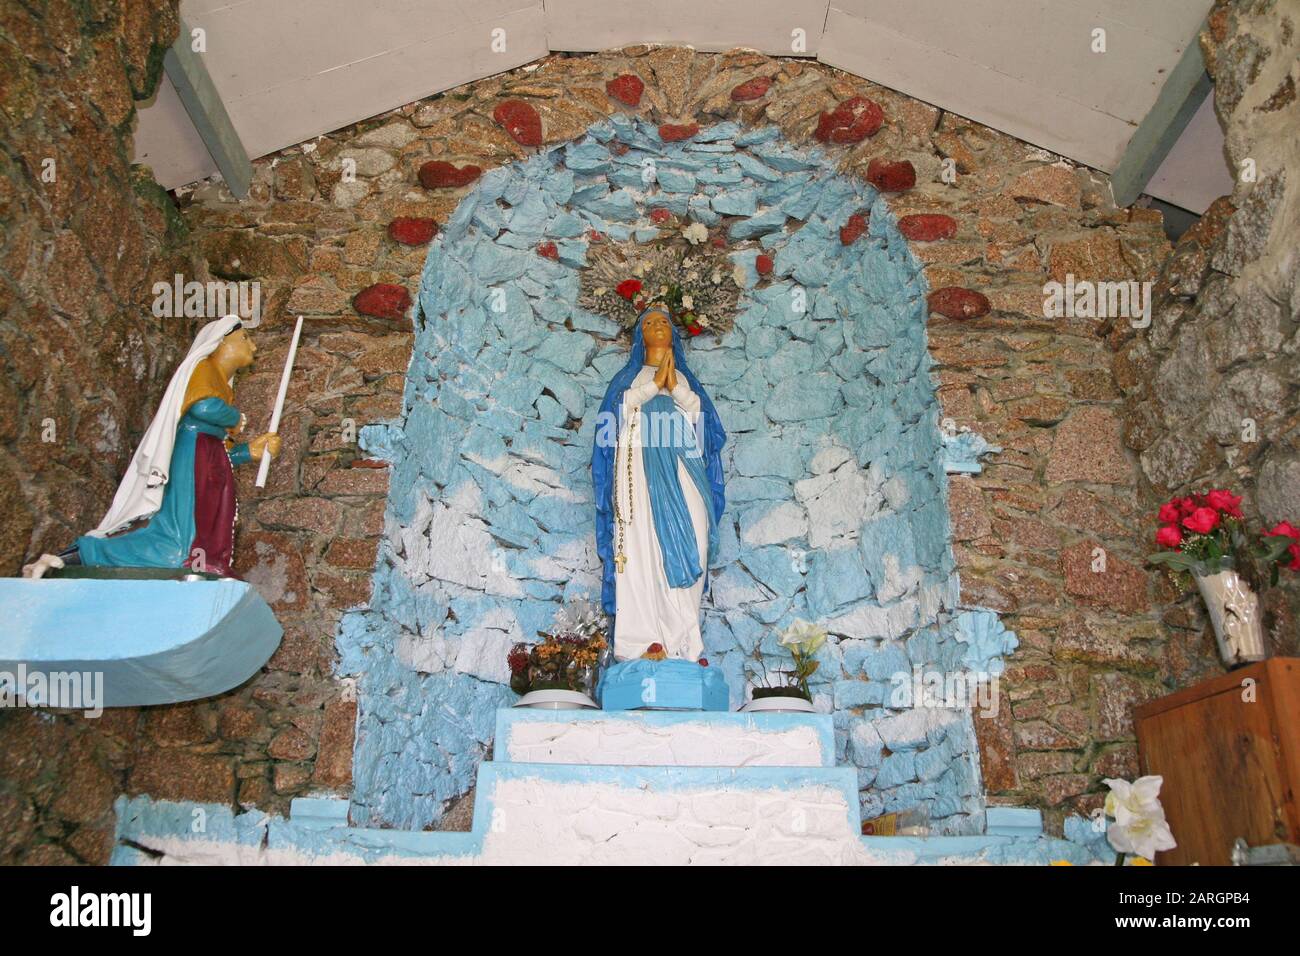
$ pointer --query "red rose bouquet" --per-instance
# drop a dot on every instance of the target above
(1204, 534)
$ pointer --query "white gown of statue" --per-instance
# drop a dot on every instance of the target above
(648, 611)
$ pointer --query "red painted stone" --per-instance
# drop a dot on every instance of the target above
(438, 174)
(411, 231)
(521, 121)
(891, 177)
(660, 216)
(674, 132)
(618, 149)
(754, 89)
(853, 230)
(595, 236)
(763, 264)
(369, 463)
(927, 227)
(719, 242)
(955, 302)
(548, 250)
(851, 122)
(383, 300)
(627, 89)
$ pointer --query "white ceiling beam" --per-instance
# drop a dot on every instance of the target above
(288, 71)
(1029, 68)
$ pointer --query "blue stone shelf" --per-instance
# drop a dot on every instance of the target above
(154, 642)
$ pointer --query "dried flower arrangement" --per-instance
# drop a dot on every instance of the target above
(683, 269)
(566, 658)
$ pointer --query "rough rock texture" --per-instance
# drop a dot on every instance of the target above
(836, 509)
(1212, 388)
(308, 540)
(85, 237)
(82, 358)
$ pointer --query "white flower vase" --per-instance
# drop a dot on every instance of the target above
(1234, 612)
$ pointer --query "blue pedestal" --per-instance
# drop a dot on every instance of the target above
(663, 685)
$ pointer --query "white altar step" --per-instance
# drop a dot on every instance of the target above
(665, 787)
(640, 738)
(592, 787)
(592, 814)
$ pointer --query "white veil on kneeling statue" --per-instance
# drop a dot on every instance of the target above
(140, 493)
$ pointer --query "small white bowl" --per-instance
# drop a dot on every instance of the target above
(556, 700)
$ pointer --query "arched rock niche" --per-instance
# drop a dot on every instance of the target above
(836, 491)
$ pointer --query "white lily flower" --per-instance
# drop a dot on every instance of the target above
(1140, 826)
(688, 302)
(695, 233)
(804, 635)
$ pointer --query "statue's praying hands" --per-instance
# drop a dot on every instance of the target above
(666, 377)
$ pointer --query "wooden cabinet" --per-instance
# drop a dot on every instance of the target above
(1229, 751)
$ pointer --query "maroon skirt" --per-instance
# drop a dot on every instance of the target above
(213, 548)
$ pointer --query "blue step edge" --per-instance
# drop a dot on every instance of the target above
(319, 812)
(1013, 821)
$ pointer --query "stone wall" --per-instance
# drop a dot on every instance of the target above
(82, 359)
(346, 251)
(1212, 387)
(1026, 528)
(86, 235)
(834, 462)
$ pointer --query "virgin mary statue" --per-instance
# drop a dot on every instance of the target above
(657, 475)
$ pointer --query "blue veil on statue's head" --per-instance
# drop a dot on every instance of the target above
(602, 456)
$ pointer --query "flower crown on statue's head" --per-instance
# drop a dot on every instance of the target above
(677, 305)
(690, 275)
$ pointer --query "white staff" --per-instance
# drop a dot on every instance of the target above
(265, 466)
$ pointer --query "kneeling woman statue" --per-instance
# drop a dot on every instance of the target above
(175, 507)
